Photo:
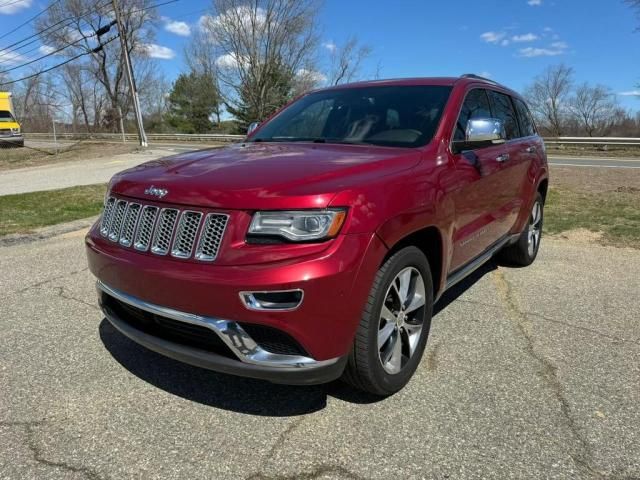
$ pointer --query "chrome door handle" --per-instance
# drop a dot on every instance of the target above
(502, 158)
(531, 150)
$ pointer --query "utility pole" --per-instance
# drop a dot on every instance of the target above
(132, 84)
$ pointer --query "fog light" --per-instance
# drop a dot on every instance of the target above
(275, 300)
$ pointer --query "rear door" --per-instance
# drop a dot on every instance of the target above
(519, 150)
(481, 192)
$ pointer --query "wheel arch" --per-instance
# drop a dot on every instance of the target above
(431, 242)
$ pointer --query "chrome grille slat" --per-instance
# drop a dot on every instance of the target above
(211, 237)
(116, 222)
(106, 216)
(129, 224)
(164, 231)
(145, 228)
(183, 234)
(186, 234)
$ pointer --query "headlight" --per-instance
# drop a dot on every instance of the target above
(15, 131)
(299, 225)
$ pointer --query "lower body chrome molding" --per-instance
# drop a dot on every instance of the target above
(252, 360)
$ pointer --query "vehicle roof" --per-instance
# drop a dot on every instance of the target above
(438, 81)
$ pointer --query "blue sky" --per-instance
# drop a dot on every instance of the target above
(509, 40)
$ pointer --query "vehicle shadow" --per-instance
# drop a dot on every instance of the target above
(459, 288)
(244, 395)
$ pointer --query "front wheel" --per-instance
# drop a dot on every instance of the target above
(395, 325)
(525, 250)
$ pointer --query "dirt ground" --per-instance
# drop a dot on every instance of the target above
(596, 180)
(31, 156)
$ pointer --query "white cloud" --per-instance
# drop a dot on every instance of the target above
(493, 37)
(227, 61)
(158, 51)
(9, 57)
(534, 3)
(311, 75)
(9, 7)
(485, 74)
(46, 49)
(630, 93)
(530, 52)
(244, 16)
(560, 45)
(330, 46)
(179, 28)
(527, 37)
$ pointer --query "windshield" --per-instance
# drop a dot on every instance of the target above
(6, 116)
(395, 116)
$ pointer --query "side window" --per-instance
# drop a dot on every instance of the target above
(524, 117)
(503, 110)
(476, 104)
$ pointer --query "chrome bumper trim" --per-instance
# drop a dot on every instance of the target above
(231, 333)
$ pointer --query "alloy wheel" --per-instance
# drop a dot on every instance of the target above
(401, 320)
(535, 229)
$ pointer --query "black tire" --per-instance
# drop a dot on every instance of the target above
(519, 254)
(364, 368)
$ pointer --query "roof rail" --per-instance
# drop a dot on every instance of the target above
(478, 77)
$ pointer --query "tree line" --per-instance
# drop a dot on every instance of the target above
(562, 107)
(243, 62)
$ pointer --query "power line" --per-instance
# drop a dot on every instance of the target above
(68, 21)
(29, 20)
(2, 5)
(95, 50)
(101, 31)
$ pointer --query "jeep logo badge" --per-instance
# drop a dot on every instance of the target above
(156, 192)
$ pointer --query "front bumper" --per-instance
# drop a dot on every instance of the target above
(252, 361)
(11, 141)
(335, 282)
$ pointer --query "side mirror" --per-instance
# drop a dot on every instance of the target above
(485, 130)
(252, 127)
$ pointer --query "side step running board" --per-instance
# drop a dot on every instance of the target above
(476, 263)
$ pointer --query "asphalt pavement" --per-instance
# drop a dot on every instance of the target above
(528, 373)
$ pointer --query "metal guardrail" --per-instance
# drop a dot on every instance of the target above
(601, 141)
(131, 137)
(221, 137)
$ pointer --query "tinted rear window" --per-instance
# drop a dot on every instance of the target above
(397, 116)
(524, 117)
(503, 110)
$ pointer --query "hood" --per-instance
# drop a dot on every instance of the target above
(263, 176)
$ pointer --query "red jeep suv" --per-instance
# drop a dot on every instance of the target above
(317, 247)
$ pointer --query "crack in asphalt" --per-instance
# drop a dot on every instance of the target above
(37, 453)
(431, 361)
(614, 339)
(61, 294)
(548, 372)
(318, 471)
(52, 279)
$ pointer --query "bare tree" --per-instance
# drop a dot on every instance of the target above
(548, 97)
(595, 108)
(346, 61)
(79, 35)
(259, 48)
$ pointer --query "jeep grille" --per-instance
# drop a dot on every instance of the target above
(183, 234)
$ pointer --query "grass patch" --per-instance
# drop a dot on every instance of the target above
(614, 213)
(24, 212)
(35, 156)
(590, 151)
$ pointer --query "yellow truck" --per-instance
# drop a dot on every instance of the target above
(10, 133)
